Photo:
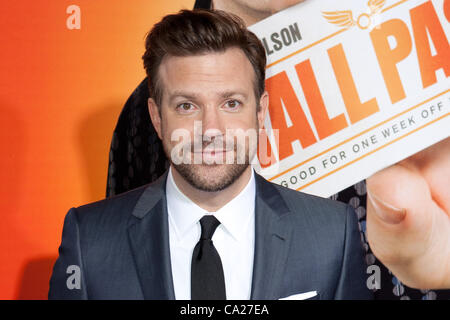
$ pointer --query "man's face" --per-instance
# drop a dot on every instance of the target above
(205, 100)
(268, 6)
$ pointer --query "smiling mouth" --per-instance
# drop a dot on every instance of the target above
(212, 152)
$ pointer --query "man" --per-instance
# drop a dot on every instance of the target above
(136, 158)
(209, 229)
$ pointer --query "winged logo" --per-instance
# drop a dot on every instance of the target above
(344, 18)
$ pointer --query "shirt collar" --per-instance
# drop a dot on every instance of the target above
(233, 216)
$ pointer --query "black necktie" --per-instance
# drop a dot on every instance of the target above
(207, 279)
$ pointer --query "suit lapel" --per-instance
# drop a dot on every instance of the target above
(272, 239)
(149, 240)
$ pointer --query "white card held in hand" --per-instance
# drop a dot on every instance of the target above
(354, 86)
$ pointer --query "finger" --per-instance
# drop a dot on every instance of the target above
(433, 163)
(385, 211)
(398, 191)
(397, 198)
(418, 259)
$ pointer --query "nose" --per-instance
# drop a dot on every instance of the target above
(212, 123)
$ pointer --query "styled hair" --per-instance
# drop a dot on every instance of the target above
(196, 32)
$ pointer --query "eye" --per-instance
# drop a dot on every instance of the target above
(232, 105)
(185, 107)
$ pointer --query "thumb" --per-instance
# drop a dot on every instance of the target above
(388, 213)
(396, 201)
(398, 193)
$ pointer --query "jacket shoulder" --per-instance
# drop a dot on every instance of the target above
(112, 211)
(300, 200)
(327, 217)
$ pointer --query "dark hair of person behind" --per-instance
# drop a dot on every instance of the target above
(195, 32)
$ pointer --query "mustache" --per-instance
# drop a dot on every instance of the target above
(213, 149)
(213, 145)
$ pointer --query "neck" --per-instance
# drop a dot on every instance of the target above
(212, 201)
(249, 15)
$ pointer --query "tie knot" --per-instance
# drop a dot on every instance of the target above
(209, 224)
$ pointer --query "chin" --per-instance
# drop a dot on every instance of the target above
(211, 178)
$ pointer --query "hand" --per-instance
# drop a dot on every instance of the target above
(408, 217)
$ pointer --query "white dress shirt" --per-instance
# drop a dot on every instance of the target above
(234, 239)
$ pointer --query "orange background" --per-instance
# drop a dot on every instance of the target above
(61, 92)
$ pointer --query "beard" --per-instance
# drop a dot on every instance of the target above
(212, 177)
(219, 178)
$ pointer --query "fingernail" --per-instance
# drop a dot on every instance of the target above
(386, 211)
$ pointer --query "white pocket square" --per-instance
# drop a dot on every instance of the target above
(301, 296)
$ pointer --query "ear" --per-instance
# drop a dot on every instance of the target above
(155, 116)
(263, 107)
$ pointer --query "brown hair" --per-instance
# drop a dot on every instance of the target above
(193, 32)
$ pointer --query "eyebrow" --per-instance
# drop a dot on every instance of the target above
(194, 96)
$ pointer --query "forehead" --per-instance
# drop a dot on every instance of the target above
(207, 73)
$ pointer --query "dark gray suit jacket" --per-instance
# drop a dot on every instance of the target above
(121, 245)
